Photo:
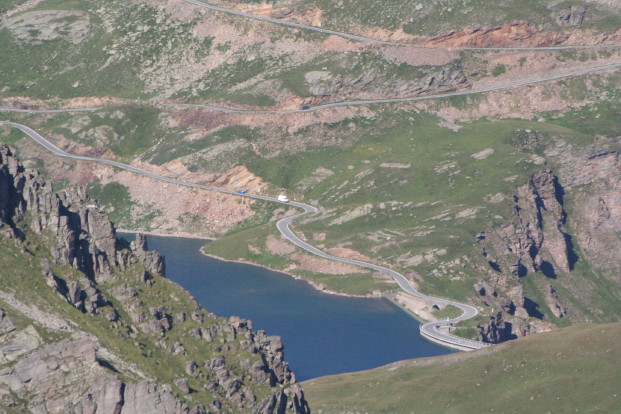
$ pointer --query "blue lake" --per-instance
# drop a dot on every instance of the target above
(323, 334)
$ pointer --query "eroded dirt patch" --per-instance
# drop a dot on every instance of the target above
(277, 245)
(325, 266)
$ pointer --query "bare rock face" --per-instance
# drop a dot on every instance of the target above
(495, 330)
(153, 261)
(595, 180)
(6, 323)
(68, 375)
(16, 343)
(46, 368)
(148, 397)
(552, 301)
(572, 17)
(536, 239)
(85, 237)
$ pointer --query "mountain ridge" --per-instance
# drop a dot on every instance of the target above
(101, 312)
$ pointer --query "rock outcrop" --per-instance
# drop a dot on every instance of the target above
(495, 330)
(151, 260)
(536, 242)
(594, 180)
(572, 17)
(325, 84)
(121, 291)
(84, 236)
(44, 374)
(513, 34)
(552, 301)
(536, 239)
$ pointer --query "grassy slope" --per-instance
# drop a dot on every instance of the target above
(571, 370)
(51, 69)
(417, 209)
(132, 49)
(437, 17)
(414, 210)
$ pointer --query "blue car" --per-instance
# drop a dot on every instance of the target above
(241, 191)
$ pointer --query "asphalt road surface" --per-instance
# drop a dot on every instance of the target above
(510, 85)
(435, 331)
(376, 41)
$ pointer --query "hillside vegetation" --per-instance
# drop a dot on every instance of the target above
(435, 18)
(572, 370)
(89, 323)
(508, 200)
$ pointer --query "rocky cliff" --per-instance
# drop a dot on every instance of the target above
(536, 239)
(89, 323)
(537, 267)
(83, 236)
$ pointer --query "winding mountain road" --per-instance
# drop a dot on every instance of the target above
(376, 41)
(578, 72)
(557, 76)
(286, 23)
(435, 331)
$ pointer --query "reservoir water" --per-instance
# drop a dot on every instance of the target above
(323, 334)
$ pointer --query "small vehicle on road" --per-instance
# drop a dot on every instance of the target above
(305, 107)
(241, 191)
(283, 198)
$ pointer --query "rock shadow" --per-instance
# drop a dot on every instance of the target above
(547, 269)
(532, 308)
(572, 257)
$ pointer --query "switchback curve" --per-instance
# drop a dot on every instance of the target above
(435, 331)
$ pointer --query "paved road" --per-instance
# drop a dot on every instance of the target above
(286, 23)
(376, 41)
(433, 330)
(510, 85)
(48, 111)
(430, 330)
(436, 331)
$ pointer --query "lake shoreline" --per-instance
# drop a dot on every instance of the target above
(182, 234)
(410, 310)
(294, 276)
(346, 331)
(297, 277)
